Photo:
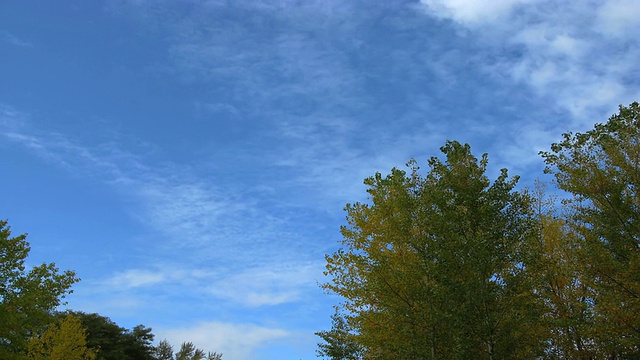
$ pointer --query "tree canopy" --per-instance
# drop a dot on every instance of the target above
(434, 265)
(114, 342)
(452, 265)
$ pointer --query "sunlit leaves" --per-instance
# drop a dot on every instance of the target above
(64, 340)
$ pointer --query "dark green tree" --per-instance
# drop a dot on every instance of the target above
(339, 342)
(481, 256)
(114, 342)
(140, 343)
(27, 298)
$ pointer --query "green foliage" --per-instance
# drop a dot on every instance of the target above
(339, 342)
(115, 342)
(188, 351)
(435, 266)
(27, 298)
(452, 265)
(164, 351)
(64, 340)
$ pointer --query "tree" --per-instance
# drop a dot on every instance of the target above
(339, 342)
(560, 283)
(164, 351)
(214, 356)
(115, 342)
(481, 257)
(436, 266)
(27, 298)
(385, 281)
(64, 340)
(188, 351)
(139, 343)
(601, 169)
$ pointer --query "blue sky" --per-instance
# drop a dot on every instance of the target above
(191, 159)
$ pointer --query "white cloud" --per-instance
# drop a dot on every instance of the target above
(618, 18)
(472, 12)
(135, 278)
(577, 54)
(235, 341)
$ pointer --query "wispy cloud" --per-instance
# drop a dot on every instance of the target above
(294, 103)
(15, 40)
(272, 285)
(134, 278)
(238, 252)
(302, 80)
(268, 285)
(219, 220)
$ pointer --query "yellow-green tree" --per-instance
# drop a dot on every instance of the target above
(64, 340)
(436, 266)
(560, 284)
(601, 168)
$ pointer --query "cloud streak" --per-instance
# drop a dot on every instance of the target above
(217, 220)
(15, 40)
(238, 252)
(268, 285)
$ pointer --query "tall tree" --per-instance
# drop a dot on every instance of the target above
(62, 340)
(379, 270)
(435, 266)
(140, 343)
(601, 168)
(27, 298)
